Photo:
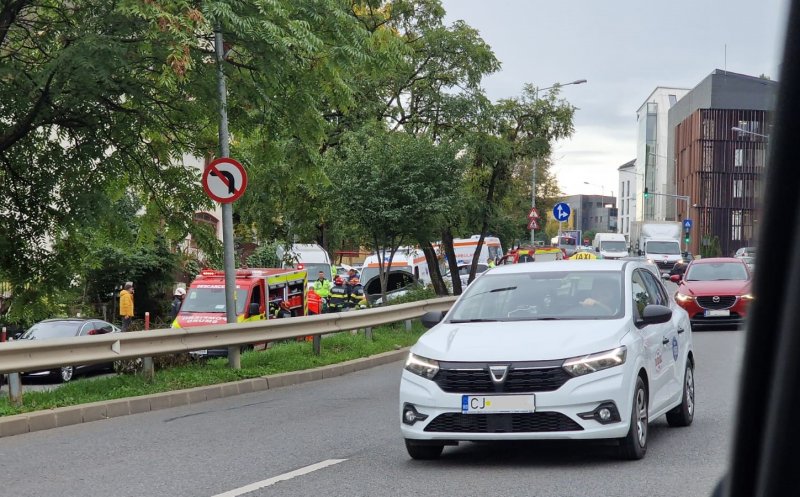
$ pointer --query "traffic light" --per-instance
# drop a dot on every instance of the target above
(646, 193)
(686, 239)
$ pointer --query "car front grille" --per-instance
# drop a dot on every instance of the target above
(724, 302)
(517, 380)
(668, 265)
(533, 422)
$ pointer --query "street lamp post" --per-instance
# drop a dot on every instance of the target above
(535, 159)
(740, 130)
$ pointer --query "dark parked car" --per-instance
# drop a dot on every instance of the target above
(65, 328)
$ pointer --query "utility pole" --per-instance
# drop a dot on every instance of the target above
(234, 354)
(533, 195)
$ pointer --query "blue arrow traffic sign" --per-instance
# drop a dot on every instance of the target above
(687, 223)
(561, 211)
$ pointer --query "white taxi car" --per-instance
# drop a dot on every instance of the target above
(559, 350)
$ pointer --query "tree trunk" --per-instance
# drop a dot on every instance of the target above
(485, 224)
(433, 266)
(452, 263)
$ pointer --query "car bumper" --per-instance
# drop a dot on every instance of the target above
(697, 317)
(556, 413)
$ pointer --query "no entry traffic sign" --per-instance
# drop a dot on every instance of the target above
(224, 180)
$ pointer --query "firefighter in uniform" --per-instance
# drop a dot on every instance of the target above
(339, 295)
(357, 299)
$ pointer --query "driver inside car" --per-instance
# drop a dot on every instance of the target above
(604, 296)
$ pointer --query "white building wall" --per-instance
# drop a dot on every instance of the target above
(199, 163)
(651, 161)
(626, 203)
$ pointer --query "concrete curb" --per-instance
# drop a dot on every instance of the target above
(96, 411)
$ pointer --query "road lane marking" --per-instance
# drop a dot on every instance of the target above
(286, 476)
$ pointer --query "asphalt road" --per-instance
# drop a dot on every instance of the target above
(342, 435)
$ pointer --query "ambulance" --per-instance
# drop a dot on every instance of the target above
(408, 259)
(465, 249)
(258, 293)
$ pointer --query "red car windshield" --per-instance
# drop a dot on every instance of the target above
(720, 271)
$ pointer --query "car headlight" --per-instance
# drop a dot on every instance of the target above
(679, 261)
(747, 296)
(681, 297)
(578, 366)
(422, 366)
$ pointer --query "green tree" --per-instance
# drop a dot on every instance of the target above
(402, 182)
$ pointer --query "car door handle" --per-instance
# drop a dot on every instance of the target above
(680, 330)
(665, 340)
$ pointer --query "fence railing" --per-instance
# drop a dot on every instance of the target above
(34, 355)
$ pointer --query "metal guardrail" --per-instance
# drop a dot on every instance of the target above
(23, 355)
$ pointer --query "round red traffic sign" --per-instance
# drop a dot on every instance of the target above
(224, 180)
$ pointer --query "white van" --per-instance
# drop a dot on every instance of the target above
(407, 259)
(465, 249)
(611, 245)
(309, 256)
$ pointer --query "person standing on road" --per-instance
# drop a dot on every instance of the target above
(322, 287)
(339, 295)
(126, 305)
(177, 301)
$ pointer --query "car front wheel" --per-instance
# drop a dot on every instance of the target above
(634, 445)
(683, 415)
(65, 374)
(423, 451)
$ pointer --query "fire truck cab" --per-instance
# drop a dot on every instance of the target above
(256, 289)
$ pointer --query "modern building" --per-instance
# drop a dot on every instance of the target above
(593, 213)
(721, 129)
(654, 170)
(626, 206)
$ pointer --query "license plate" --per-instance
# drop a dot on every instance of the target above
(717, 313)
(484, 404)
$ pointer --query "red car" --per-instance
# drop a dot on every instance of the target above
(715, 292)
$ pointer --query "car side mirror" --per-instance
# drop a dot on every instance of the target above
(431, 319)
(655, 314)
(254, 309)
(675, 278)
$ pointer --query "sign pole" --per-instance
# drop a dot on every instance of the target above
(234, 355)
(533, 200)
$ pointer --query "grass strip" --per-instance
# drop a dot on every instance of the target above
(280, 358)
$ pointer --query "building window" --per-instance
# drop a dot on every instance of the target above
(629, 188)
(758, 157)
(708, 156)
(738, 188)
(738, 157)
(736, 225)
(708, 129)
(748, 225)
(673, 99)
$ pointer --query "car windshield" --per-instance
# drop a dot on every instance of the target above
(370, 272)
(212, 299)
(718, 271)
(52, 329)
(547, 295)
(614, 246)
(665, 248)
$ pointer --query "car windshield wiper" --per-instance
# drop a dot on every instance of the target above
(495, 290)
(475, 320)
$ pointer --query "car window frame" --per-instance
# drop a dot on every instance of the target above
(637, 313)
(661, 293)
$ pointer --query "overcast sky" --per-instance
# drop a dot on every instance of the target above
(624, 48)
